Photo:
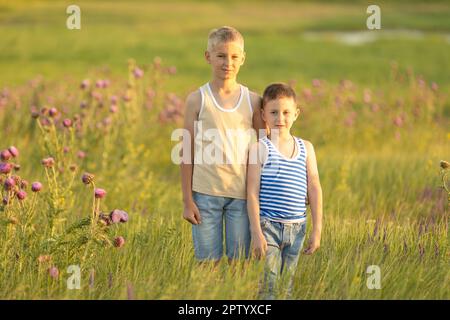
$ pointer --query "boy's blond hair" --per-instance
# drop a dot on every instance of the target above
(222, 35)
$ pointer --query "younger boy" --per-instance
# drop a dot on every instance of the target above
(282, 175)
(214, 188)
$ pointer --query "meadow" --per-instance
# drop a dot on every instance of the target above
(89, 115)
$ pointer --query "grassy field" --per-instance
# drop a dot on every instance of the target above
(377, 114)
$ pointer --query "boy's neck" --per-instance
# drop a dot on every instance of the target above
(224, 86)
(277, 136)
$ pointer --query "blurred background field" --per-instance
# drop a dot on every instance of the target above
(374, 104)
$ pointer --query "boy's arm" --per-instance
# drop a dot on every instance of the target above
(190, 212)
(258, 122)
(315, 198)
(259, 243)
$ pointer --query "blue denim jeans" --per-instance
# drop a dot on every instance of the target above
(284, 243)
(208, 236)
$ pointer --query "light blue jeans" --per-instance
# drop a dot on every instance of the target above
(284, 243)
(208, 236)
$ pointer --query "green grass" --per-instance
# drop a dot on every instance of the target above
(382, 201)
(35, 38)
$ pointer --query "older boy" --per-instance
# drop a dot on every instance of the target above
(214, 191)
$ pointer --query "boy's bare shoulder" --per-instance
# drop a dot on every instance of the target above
(194, 101)
(255, 99)
(309, 146)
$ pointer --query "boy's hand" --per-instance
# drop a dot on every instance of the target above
(259, 245)
(313, 245)
(191, 213)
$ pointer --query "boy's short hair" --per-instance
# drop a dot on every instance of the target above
(278, 91)
(224, 34)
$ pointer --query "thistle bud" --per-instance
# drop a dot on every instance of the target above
(5, 155)
(52, 112)
(14, 152)
(5, 168)
(53, 272)
(48, 162)
(119, 242)
(9, 183)
(21, 195)
(67, 123)
(100, 193)
(445, 164)
(36, 186)
(87, 178)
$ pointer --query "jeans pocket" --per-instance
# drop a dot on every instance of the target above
(264, 223)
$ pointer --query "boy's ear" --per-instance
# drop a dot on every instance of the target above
(262, 114)
(297, 112)
(207, 56)
(243, 58)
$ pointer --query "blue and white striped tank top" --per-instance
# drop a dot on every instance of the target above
(283, 184)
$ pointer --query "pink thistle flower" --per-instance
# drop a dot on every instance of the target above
(106, 83)
(126, 98)
(67, 123)
(5, 155)
(21, 195)
(53, 272)
(85, 84)
(5, 168)
(119, 242)
(398, 121)
(5, 200)
(99, 84)
(113, 108)
(48, 162)
(115, 216)
(9, 183)
(52, 112)
(124, 217)
(14, 151)
(114, 99)
(100, 193)
(118, 216)
(66, 149)
(87, 178)
(138, 73)
(81, 154)
(36, 186)
(316, 83)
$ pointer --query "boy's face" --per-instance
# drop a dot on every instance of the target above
(226, 58)
(280, 114)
